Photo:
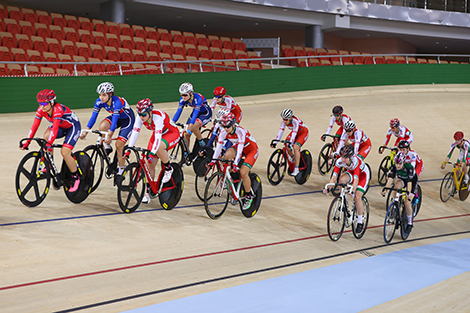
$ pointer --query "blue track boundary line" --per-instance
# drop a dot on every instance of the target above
(161, 209)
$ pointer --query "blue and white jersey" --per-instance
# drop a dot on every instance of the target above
(119, 109)
(199, 105)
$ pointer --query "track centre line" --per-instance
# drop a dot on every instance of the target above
(161, 209)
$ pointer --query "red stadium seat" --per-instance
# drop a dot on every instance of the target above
(190, 38)
(29, 16)
(71, 34)
(164, 34)
(138, 55)
(112, 53)
(191, 50)
(15, 69)
(72, 21)
(58, 20)
(51, 57)
(48, 71)
(14, 13)
(97, 51)
(126, 55)
(68, 47)
(126, 42)
(178, 48)
(53, 45)
(113, 40)
(96, 68)
(166, 47)
(24, 42)
(27, 28)
(152, 45)
(42, 30)
(81, 67)
(4, 70)
(99, 26)
(62, 71)
(12, 26)
(227, 43)
(139, 31)
(5, 54)
(202, 40)
(140, 43)
(43, 17)
(83, 49)
(126, 30)
(152, 56)
(19, 55)
(152, 33)
(113, 28)
(32, 70)
(85, 36)
(177, 36)
(238, 44)
(85, 24)
(99, 38)
(8, 40)
(57, 32)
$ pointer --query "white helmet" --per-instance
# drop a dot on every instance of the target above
(349, 125)
(105, 88)
(186, 88)
(287, 113)
(221, 113)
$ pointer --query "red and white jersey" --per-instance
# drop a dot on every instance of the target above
(240, 139)
(463, 150)
(413, 158)
(403, 134)
(340, 123)
(229, 104)
(160, 124)
(357, 138)
(295, 126)
(355, 168)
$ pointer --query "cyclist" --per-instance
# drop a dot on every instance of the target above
(463, 146)
(226, 102)
(357, 137)
(403, 175)
(122, 116)
(357, 174)
(64, 124)
(243, 144)
(217, 128)
(200, 116)
(400, 131)
(298, 136)
(339, 118)
(411, 156)
(165, 137)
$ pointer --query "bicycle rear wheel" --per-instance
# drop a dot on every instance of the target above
(131, 188)
(391, 222)
(170, 198)
(258, 193)
(336, 219)
(201, 181)
(31, 183)
(463, 192)
(98, 165)
(86, 177)
(216, 195)
(404, 224)
(277, 165)
(384, 167)
(325, 160)
(177, 153)
(305, 167)
(418, 206)
(365, 219)
(447, 187)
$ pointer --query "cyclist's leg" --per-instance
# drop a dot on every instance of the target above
(364, 179)
(300, 139)
(364, 149)
(125, 132)
(47, 134)
(105, 125)
(151, 166)
(71, 136)
(251, 153)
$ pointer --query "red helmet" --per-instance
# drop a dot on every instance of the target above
(144, 105)
(228, 120)
(458, 135)
(220, 91)
(46, 95)
(394, 122)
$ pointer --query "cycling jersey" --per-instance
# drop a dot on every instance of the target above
(242, 141)
(340, 123)
(119, 108)
(463, 151)
(406, 174)
(200, 108)
(403, 134)
(413, 158)
(357, 169)
(299, 131)
(359, 139)
(229, 104)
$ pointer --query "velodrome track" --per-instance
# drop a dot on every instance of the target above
(92, 258)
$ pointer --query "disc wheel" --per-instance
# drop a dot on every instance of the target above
(418, 206)
(384, 167)
(404, 224)
(305, 166)
(325, 159)
(335, 219)
(216, 196)
(391, 222)
(277, 166)
(98, 165)
(365, 219)
(31, 183)
(131, 188)
(447, 187)
(170, 198)
(86, 177)
(258, 193)
(463, 192)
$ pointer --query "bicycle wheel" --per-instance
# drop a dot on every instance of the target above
(325, 159)
(365, 219)
(336, 219)
(201, 181)
(447, 187)
(177, 153)
(391, 222)
(370, 178)
(31, 183)
(463, 192)
(86, 177)
(337, 189)
(170, 198)
(418, 206)
(384, 167)
(258, 193)
(277, 166)
(404, 223)
(131, 188)
(98, 165)
(216, 195)
(305, 166)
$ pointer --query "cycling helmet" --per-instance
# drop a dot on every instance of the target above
(399, 158)
(227, 119)
(144, 105)
(105, 88)
(186, 88)
(338, 109)
(46, 95)
(287, 113)
(347, 151)
(404, 144)
(220, 91)
(394, 122)
(349, 125)
(220, 113)
(458, 135)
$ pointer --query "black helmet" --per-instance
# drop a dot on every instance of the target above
(347, 151)
(338, 109)
(403, 144)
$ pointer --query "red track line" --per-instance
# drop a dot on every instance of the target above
(193, 257)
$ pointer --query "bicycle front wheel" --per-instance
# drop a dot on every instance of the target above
(365, 219)
(98, 165)
(383, 170)
(32, 179)
(391, 222)
(276, 167)
(447, 187)
(325, 159)
(131, 188)
(418, 206)
(216, 195)
(336, 219)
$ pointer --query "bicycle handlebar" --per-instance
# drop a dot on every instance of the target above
(41, 142)
(275, 141)
(385, 147)
(401, 191)
(95, 131)
(349, 187)
(453, 163)
(223, 160)
(143, 150)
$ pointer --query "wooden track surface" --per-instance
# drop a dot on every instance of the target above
(60, 255)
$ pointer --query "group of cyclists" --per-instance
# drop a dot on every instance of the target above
(234, 142)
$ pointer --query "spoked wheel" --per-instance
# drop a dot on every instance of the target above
(335, 219)
(305, 167)
(131, 188)
(325, 159)
(277, 165)
(201, 181)
(170, 198)
(418, 206)
(404, 224)
(86, 177)
(391, 222)
(32, 184)
(98, 165)
(383, 170)
(216, 196)
(258, 193)
(447, 187)
(389, 198)
(337, 189)
(365, 219)
(177, 153)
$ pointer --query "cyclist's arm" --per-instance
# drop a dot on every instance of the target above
(213, 104)
(281, 130)
(241, 144)
(135, 132)
(57, 114)
(330, 127)
(177, 115)
(157, 133)
(94, 114)
(195, 113)
(117, 105)
(357, 138)
(295, 130)
(34, 127)
(387, 137)
(220, 144)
